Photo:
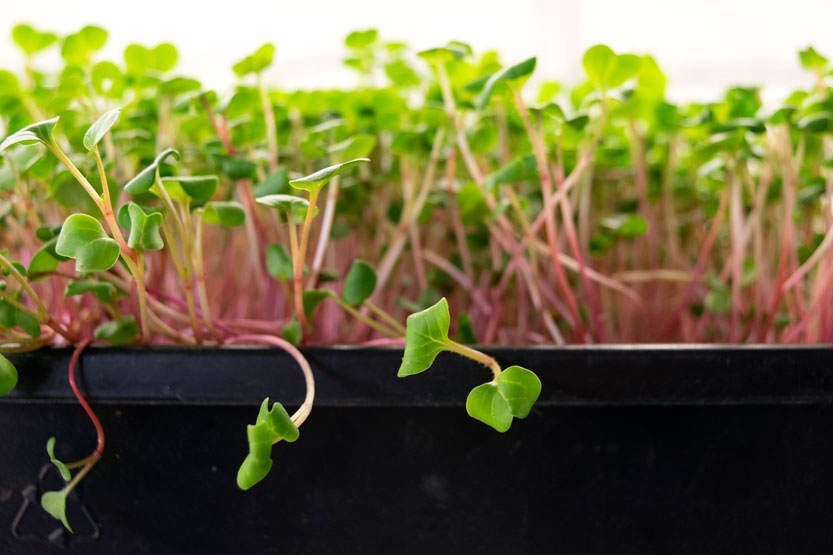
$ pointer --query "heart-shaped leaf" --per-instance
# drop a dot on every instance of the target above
(62, 468)
(144, 229)
(83, 239)
(516, 75)
(226, 213)
(521, 388)
(40, 132)
(255, 63)
(606, 69)
(100, 128)
(280, 424)
(810, 59)
(8, 376)
(485, 403)
(30, 40)
(278, 262)
(426, 335)
(55, 503)
(359, 283)
(319, 178)
(118, 332)
(145, 178)
(361, 39)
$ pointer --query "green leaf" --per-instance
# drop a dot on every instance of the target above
(626, 225)
(100, 128)
(144, 229)
(319, 178)
(83, 239)
(8, 376)
(426, 335)
(271, 426)
(292, 331)
(78, 48)
(486, 404)
(812, 60)
(44, 262)
(312, 298)
(62, 468)
(28, 323)
(257, 62)
(199, 188)
(144, 179)
(31, 40)
(606, 69)
(118, 332)
(227, 213)
(278, 262)
(103, 290)
(361, 39)
(293, 206)
(359, 283)
(521, 388)
(40, 132)
(516, 74)
(276, 183)
(357, 146)
(55, 503)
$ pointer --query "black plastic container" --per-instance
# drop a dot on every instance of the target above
(634, 450)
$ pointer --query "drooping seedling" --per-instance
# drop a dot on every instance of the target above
(512, 392)
(271, 426)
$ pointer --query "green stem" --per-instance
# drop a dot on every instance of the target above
(385, 316)
(299, 255)
(364, 319)
(475, 355)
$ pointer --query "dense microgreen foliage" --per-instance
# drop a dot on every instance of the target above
(568, 214)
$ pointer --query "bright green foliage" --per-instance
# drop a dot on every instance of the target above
(144, 179)
(359, 283)
(199, 188)
(139, 59)
(30, 40)
(100, 128)
(319, 178)
(62, 468)
(226, 213)
(271, 426)
(294, 207)
(8, 376)
(44, 262)
(78, 48)
(361, 39)
(103, 290)
(144, 229)
(118, 332)
(606, 69)
(257, 62)
(515, 75)
(40, 132)
(810, 59)
(55, 503)
(83, 239)
(278, 262)
(511, 394)
(426, 336)
(357, 146)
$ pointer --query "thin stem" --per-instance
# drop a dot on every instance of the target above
(475, 355)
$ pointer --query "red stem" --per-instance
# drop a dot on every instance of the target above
(99, 448)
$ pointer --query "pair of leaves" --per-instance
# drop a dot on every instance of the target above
(30, 40)
(270, 427)
(83, 238)
(55, 502)
(8, 376)
(143, 225)
(511, 395)
(255, 63)
(139, 59)
(608, 70)
(40, 132)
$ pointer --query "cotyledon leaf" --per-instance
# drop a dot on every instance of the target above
(426, 335)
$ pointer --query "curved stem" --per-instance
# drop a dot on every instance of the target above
(99, 430)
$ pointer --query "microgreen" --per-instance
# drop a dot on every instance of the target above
(271, 426)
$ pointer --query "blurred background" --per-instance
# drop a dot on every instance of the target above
(702, 46)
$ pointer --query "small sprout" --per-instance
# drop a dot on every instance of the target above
(255, 63)
(8, 376)
(511, 394)
(62, 468)
(225, 213)
(30, 40)
(118, 332)
(144, 229)
(812, 60)
(359, 283)
(321, 177)
(100, 128)
(270, 427)
(83, 239)
(40, 132)
(144, 179)
(514, 75)
(608, 70)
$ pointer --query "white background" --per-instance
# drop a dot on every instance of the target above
(702, 45)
